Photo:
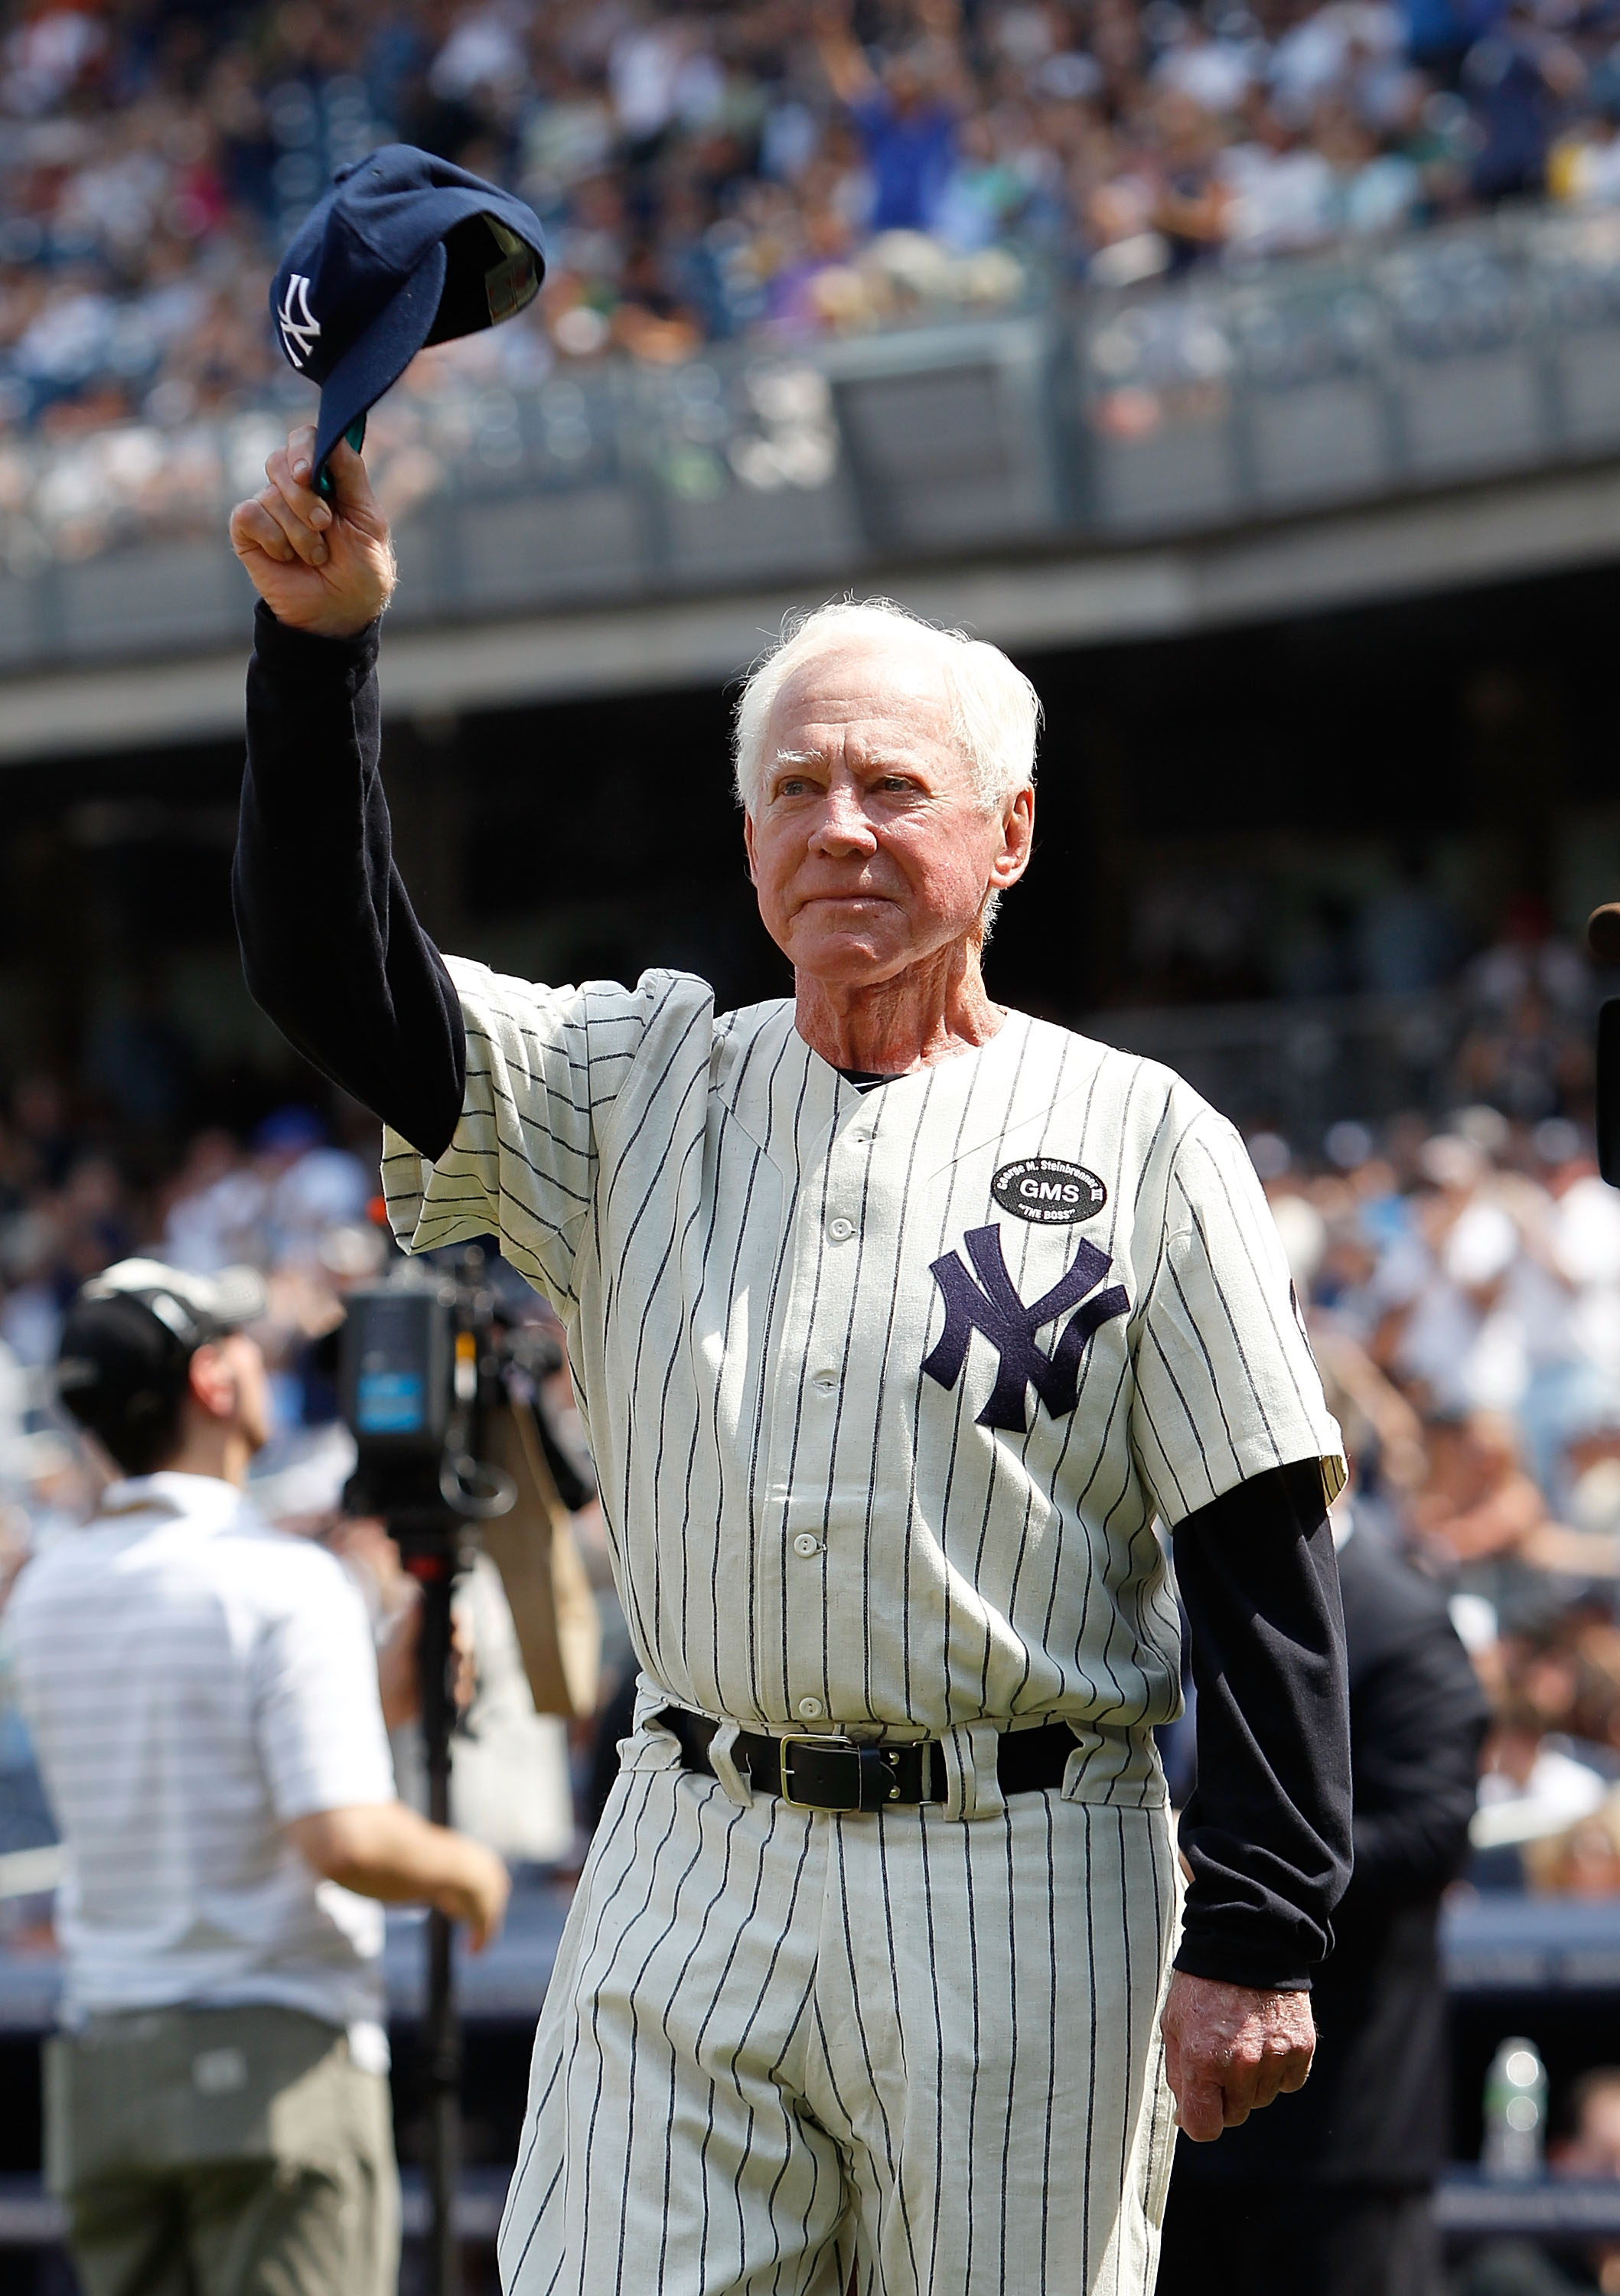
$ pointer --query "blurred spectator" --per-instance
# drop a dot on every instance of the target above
(1582, 1862)
(1515, 77)
(1525, 1056)
(141, 1062)
(1592, 2152)
(310, 1187)
(1406, 941)
(1530, 1790)
(1592, 2149)
(1477, 1502)
(1583, 167)
(216, 1209)
(906, 116)
(1527, 957)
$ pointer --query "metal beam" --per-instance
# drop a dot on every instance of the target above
(1539, 524)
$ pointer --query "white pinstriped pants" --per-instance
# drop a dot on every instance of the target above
(777, 2043)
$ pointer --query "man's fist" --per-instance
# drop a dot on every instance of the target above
(326, 567)
(1229, 2049)
(478, 1895)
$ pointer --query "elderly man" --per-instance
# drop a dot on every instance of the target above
(897, 1320)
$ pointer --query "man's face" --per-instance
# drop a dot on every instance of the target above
(907, 88)
(1596, 2149)
(869, 845)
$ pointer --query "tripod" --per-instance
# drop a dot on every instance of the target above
(417, 1357)
(433, 1560)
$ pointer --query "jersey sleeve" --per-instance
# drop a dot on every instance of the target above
(1226, 1385)
(316, 1710)
(545, 1069)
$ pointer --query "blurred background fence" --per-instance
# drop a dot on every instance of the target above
(1306, 1064)
(1097, 416)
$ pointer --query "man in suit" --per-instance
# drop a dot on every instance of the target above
(1328, 2195)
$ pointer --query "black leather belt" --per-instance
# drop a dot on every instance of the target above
(825, 1772)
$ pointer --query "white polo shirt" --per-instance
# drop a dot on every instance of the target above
(193, 1680)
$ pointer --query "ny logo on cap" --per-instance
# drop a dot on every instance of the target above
(298, 328)
(993, 1306)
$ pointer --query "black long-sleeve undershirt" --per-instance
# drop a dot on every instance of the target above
(331, 945)
(334, 954)
(1374, 2114)
(1267, 1834)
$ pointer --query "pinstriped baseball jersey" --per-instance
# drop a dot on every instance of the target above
(885, 1390)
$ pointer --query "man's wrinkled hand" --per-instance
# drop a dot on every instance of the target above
(1229, 2049)
(326, 567)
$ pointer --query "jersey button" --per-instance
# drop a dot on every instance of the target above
(806, 1543)
(824, 1381)
(811, 1708)
(840, 1230)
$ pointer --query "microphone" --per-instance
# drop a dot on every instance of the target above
(1603, 939)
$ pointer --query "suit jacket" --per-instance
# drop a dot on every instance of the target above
(1374, 2112)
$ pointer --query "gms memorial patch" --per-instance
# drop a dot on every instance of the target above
(1048, 1191)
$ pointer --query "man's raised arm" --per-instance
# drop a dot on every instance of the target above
(330, 947)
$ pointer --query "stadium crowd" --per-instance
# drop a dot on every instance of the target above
(705, 171)
(1462, 1290)
(1461, 1276)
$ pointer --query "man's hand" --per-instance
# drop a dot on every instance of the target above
(382, 1849)
(1229, 2049)
(477, 1896)
(324, 567)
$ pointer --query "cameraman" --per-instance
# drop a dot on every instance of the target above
(202, 1694)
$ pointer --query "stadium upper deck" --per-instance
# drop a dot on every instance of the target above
(708, 172)
(831, 293)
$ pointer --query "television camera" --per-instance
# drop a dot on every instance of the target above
(440, 1365)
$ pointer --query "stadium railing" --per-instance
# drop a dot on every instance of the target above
(1104, 416)
(1300, 1064)
(1549, 1966)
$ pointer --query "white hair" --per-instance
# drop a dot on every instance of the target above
(995, 712)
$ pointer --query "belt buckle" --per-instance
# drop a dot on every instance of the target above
(829, 1742)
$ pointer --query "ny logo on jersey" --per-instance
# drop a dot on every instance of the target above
(300, 326)
(996, 1310)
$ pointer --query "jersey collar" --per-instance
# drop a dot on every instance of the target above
(196, 1497)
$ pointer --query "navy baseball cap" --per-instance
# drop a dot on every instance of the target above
(404, 250)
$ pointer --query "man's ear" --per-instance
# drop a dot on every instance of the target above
(1018, 840)
(211, 1381)
(748, 845)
